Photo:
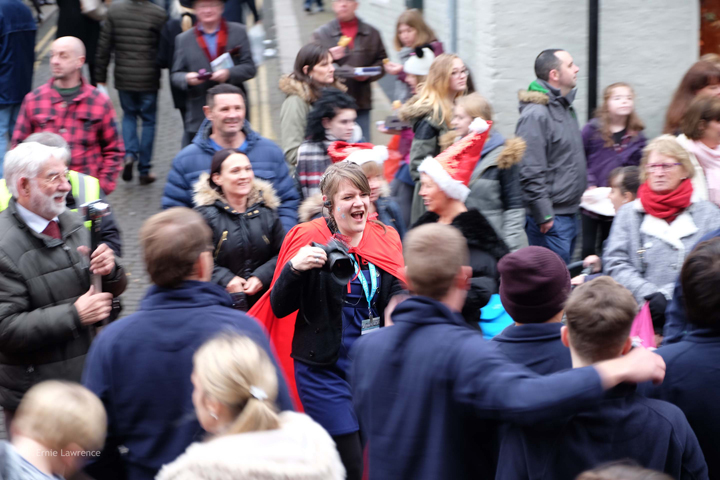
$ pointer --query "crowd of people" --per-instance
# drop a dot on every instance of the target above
(327, 308)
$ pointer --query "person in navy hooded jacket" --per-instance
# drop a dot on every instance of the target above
(534, 286)
(225, 127)
(625, 424)
(429, 390)
(140, 365)
(692, 364)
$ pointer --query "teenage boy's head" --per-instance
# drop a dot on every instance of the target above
(599, 315)
(700, 277)
(534, 285)
(436, 259)
(62, 416)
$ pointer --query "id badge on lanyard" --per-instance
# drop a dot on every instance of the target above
(371, 323)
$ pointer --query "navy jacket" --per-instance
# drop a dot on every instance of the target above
(676, 324)
(17, 51)
(428, 392)
(267, 160)
(624, 425)
(693, 384)
(535, 345)
(140, 368)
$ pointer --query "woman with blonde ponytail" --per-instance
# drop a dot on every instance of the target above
(235, 386)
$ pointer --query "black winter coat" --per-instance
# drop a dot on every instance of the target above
(319, 301)
(246, 244)
(71, 22)
(166, 51)
(132, 32)
(486, 249)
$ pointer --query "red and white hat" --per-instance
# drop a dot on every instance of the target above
(452, 169)
(357, 152)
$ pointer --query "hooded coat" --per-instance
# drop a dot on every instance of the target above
(553, 172)
(246, 244)
(294, 112)
(486, 249)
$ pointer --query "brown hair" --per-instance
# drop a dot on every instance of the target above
(622, 472)
(309, 56)
(434, 92)
(633, 124)
(433, 256)
(699, 76)
(599, 316)
(666, 145)
(172, 241)
(334, 176)
(216, 165)
(475, 105)
(702, 110)
(413, 18)
(700, 277)
(372, 169)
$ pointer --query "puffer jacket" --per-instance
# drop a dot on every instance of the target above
(486, 249)
(132, 32)
(41, 336)
(294, 112)
(267, 162)
(553, 172)
(247, 243)
(645, 255)
(426, 143)
(495, 189)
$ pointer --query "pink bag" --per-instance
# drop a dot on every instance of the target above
(642, 331)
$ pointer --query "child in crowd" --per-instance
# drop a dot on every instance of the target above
(57, 428)
(622, 471)
(624, 425)
(534, 286)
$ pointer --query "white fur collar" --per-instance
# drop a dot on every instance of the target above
(671, 233)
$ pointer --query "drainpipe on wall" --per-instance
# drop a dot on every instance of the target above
(452, 14)
(593, 27)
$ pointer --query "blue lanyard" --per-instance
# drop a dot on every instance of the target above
(369, 294)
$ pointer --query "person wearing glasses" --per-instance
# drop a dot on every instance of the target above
(651, 236)
(48, 308)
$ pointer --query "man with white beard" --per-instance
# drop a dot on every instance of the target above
(48, 308)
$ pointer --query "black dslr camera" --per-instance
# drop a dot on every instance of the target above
(338, 264)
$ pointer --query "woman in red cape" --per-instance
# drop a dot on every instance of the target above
(313, 321)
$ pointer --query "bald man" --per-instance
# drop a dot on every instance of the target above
(69, 106)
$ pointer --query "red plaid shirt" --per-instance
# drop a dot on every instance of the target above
(88, 125)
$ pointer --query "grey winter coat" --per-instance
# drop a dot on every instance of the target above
(189, 57)
(553, 170)
(645, 254)
(41, 336)
(132, 32)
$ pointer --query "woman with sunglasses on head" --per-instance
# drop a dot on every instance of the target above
(651, 236)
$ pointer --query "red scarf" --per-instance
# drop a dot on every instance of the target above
(381, 247)
(666, 206)
(350, 29)
(221, 41)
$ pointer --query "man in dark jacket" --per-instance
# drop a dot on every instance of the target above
(534, 286)
(48, 308)
(553, 169)
(132, 32)
(211, 38)
(625, 425)
(692, 382)
(17, 44)
(226, 127)
(428, 390)
(365, 49)
(140, 366)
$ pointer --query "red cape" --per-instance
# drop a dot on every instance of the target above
(380, 246)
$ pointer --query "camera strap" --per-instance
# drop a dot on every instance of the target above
(369, 293)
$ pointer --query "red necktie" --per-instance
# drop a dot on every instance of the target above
(52, 230)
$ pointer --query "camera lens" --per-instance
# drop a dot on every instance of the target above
(340, 267)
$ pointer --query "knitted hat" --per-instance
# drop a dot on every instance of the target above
(452, 169)
(419, 64)
(357, 152)
(534, 284)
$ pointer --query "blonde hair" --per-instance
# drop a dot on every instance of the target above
(57, 414)
(666, 145)
(372, 169)
(413, 18)
(475, 105)
(229, 368)
(434, 92)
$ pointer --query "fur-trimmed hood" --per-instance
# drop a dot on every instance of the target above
(476, 229)
(528, 96)
(289, 85)
(512, 153)
(262, 192)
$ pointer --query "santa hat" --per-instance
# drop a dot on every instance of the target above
(419, 64)
(452, 169)
(358, 153)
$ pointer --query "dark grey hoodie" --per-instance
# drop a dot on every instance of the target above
(553, 169)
